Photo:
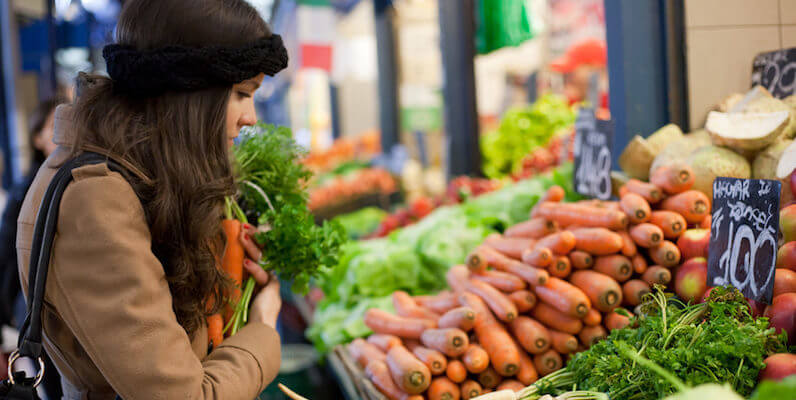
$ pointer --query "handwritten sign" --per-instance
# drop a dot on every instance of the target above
(592, 150)
(776, 71)
(743, 235)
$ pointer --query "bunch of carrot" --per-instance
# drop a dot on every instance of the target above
(528, 298)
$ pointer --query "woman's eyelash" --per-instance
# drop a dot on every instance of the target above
(244, 95)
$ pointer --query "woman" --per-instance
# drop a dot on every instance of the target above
(133, 266)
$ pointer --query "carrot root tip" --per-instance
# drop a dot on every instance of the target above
(457, 342)
(416, 378)
(541, 343)
(611, 298)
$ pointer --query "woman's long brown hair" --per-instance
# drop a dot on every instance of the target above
(177, 139)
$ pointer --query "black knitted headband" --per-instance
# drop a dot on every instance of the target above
(179, 68)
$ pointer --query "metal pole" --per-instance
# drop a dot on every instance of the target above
(388, 75)
(457, 37)
(47, 83)
(8, 120)
(676, 62)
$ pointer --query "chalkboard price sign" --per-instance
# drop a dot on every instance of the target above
(776, 71)
(592, 150)
(743, 235)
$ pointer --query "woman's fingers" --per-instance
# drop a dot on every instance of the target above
(256, 272)
(247, 240)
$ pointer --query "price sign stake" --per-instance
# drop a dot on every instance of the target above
(743, 236)
(776, 71)
(593, 140)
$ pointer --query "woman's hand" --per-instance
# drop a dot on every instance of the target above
(266, 303)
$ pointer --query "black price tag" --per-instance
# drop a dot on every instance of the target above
(743, 236)
(776, 71)
(593, 140)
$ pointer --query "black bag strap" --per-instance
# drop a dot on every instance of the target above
(30, 336)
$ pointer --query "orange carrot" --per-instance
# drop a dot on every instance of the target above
(524, 300)
(492, 336)
(452, 342)
(548, 362)
(475, 359)
(629, 248)
(574, 214)
(489, 378)
(378, 372)
(616, 266)
(539, 257)
(443, 389)
(458, 277)
(476, 261)
(554, 195)
(434, 360)
(615, 320)
(636, 208)
(597, 241)
(671, 223)
(527, 371)
(215, 330)
(407, 371)
(666, 254)
(364, 352)
(462, 318)
(646, 235)
(693, 205)
(499, 303)
(232, 262)
(634, 290)
(639, 264)
(405, 306)
(591, 334)
(560, 242)
(556, 319)
(531, 335)
(470, 389)
(673, 178)
(657, 274)
(648, 191)
(380, 321)
(564, 297)
(563, 342)
(456, 371)
(384, 342)
(534, 228)
(511, 384)
(603, 291)
(529, 274)
(440, 303)
(503, 281)
(509, 246)
(561, 267)
(581, 259)
(593, 317)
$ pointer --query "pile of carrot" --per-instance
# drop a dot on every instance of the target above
(528, 298)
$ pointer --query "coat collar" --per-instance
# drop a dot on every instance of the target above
(64, 137)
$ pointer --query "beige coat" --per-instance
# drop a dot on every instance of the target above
(108, 320)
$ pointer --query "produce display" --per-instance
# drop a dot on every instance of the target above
(343, 186)
(344, 150)
(416, 258)
(521, 131)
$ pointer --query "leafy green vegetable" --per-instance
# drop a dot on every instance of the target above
(272, 183)
(361, 222)
(770, 390)
(521, 131)
(716, 341)
(415, 258)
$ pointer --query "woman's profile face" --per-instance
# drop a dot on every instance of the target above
(240, 110)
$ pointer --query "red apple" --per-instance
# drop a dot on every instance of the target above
(705, 224)
(793, 182)
(784, 281)
(694, 243)
(782, 315)
(786, 256)
(778, 366)
(707, 294)
(756, 308)
(787, 222)
(690, 283)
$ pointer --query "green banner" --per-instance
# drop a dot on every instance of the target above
(502, 23)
